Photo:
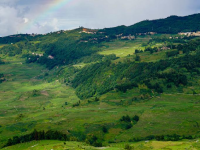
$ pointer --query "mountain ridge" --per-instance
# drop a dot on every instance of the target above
(172, 24)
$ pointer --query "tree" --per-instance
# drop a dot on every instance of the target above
(128, 147)
(126, 118)
(137, 58)
(136, 118)
(105, 130)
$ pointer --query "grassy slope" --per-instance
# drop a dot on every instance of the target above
(147, 145)
(123, 48)
(165, 114)
(16, 98)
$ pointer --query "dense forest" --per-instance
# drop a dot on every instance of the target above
(105, 76)
(170, 25)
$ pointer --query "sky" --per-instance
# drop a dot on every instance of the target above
(43, 16)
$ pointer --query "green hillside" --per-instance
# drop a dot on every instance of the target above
(83, 88)
(169, 25)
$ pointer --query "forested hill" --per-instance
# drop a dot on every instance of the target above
(172, 24)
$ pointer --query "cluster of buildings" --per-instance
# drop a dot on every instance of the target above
(147, 33)
(40, 55)
(50, 57)
(165, 48)
(130, 37)
(37, 54)
(88, 31)
(190, 33)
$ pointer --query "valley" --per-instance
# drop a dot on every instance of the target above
(107, 92)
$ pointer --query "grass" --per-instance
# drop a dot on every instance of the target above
(123, 48)
(159, 145)
(165, 114)
(121, 52)
(21, 111)
(55, 145)
(144, 145)
(2, 45)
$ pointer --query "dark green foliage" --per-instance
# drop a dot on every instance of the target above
(31, 58)
(1, 62)
(137, 58)
(35, 93)
(96, 99)
(110, 57)
(37, 135)
(126, 118)
(65, 51)
(151, 50)
(173, 77)
(128, 126)
(172, 24)
(157, 88)
(172, 53)
(136, 118)
(173, 137)
(1, 75)
(10, 50)
(2, 78)
(16, 38)
(76, 104)
(93, 140)
(128, 147)
(77, 136)
(138, 51)
(89, 59)
(104, 129)
(126, 122)
(94, 80)
(124, 87)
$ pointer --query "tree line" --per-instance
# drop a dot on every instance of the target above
(36, 136)
(169, 25)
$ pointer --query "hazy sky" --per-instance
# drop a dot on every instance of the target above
(42, 16)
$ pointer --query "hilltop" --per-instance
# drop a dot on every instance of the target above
(169, 25)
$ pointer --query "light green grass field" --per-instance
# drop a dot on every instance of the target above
(123, 48)
(144, 145)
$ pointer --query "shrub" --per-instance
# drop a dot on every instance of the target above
(104, 129)
(126, 118)
(136, 118)
(128, 147)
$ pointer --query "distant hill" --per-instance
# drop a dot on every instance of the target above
(172, 24)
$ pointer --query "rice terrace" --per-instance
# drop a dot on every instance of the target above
(126, 87)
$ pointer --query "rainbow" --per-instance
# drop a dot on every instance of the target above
(49, 8)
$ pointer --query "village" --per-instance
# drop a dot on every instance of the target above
(190, 33)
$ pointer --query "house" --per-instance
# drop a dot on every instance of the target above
(165, 48)
(50, 57)
(152, 33)
(88, 31)
(130, 37)
(197, 33)
(190, 33)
